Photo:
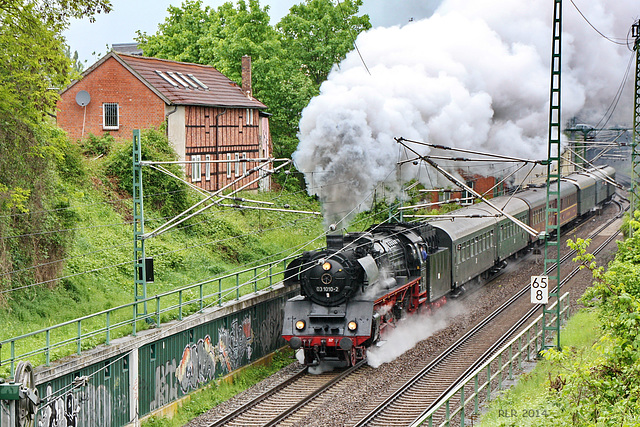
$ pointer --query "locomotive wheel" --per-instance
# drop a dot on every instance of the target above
(25, 409)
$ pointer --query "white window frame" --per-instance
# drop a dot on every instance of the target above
(110, 126)
(244, 164)
(249, 114)
(207, 167)
(196, 168)
(237, 157)
(228, 165)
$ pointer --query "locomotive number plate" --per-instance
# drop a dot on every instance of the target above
(327, 289)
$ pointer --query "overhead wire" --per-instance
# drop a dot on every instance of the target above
(595, 29)
(616, 99)
(353, 38)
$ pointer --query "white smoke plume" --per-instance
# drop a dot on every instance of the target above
(475, 75)
(410, 331)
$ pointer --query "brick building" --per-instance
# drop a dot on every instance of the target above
(480, 183)
(208, 116)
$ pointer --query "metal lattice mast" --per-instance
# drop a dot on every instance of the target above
(138, 224)
(635, 150)
(553, 208)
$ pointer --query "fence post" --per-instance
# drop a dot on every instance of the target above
(134, 386)
(108, 328)
(79, 335)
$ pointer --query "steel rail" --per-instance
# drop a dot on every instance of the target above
(290, 409)
(257, 400)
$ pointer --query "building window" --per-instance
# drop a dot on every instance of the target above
(196, 168)
(207, 167)
(237, 164)
(244, 164)
(228, 165)
(110, 115)
(467, 197)
(249, 114)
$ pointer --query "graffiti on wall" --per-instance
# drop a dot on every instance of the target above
(197, 365)
(84, 406)
(235, 343)
(207, 359)
(166, 389)
(270, 328)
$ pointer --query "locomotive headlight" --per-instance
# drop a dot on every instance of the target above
(300, 325)
(352, 325)
(326, 266)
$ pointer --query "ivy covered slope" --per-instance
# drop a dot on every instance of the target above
(74, 247)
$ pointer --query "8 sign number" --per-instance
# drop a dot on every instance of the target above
(539, 289)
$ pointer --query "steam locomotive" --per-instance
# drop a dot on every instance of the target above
(357, 288)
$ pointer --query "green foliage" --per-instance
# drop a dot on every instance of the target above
(95, 146)
(165, 194)
(605, 391)
(32, 199)
(319, 33)
(34, 154)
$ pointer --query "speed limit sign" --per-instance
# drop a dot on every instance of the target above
(539, 289)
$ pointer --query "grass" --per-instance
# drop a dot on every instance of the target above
(208, 397)
(526, 404)
(99, 271)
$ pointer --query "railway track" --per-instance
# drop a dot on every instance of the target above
(284, 399)
(296, 398)
(422, 392)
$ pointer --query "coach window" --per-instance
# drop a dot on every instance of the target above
(110, 116)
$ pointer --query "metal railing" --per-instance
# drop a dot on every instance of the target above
(489, 377)
(74, 336)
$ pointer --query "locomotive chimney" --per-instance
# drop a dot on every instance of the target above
(246, 76)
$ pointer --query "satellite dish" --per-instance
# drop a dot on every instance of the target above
(83, 98)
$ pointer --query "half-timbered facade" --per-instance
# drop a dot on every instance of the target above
(214, 124)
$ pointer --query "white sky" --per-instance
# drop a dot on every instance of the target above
(127, 16)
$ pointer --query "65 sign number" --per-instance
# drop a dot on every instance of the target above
(539, 289)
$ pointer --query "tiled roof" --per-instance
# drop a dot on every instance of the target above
(182, 83)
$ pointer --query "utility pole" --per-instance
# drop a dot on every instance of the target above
(635, 150)
(553, 207)
(140, 273)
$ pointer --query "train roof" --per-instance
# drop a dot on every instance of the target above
(602, 171)
(582, 180)
(459, 228)
(508, 204)
(535, 197)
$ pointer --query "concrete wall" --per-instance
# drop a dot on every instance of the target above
(134, 376)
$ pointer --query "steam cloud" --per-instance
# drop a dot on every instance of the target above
(474, 75)
(410, 331)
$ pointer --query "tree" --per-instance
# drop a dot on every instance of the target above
(33, 153)
(32, 52)
(288, 63)
(181, 36)
(319, 33)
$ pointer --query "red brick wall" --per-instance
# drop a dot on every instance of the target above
(140, 108)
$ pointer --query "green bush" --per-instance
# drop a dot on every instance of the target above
(167, 195)
(97, 145)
